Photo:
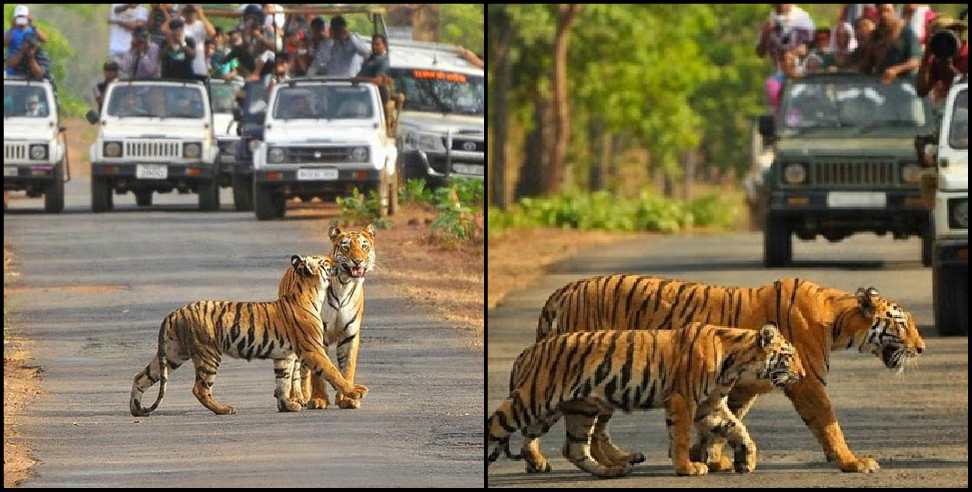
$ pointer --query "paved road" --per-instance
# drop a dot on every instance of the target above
(92, 293)
(916, 425)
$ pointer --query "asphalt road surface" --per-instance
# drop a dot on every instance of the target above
(915, 425)
(92, 293)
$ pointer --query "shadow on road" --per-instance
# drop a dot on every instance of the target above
(571, 267)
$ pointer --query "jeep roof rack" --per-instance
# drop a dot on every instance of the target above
(425, 45)
(294, 80)
(177, 81)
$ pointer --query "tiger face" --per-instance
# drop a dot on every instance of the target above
(354, 251)
(777, 359)
(892, 334)
(321, 267)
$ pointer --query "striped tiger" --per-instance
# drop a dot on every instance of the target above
(354, 253)
(282, 330)
(688, 371)
(815, 319)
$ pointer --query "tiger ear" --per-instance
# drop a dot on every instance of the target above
(370, 230)
(767, 333)
(333, 232)
(295, 261)
(867, 301)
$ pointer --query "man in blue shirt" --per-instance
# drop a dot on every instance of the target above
(341, 54)
(22, 26)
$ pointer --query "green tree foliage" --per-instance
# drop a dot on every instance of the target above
(462, 24)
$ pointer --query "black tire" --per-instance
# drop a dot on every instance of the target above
(54, 196)
(101, 198)
(143, 198)
(209, 195)
(267, 204)
(242, 192)
(777, 242)
(928, 242)
(950, 292)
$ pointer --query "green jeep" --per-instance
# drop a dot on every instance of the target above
(844, 161)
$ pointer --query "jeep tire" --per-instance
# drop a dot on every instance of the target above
(267, 204)
(209, 195)
(143, 198)
(950, 292)
(101, 197)
(777, 242)
(54, 196)
(242, 192)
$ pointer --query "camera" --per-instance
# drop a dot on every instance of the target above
(944, 44)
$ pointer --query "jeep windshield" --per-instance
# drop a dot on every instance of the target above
(141, 101)
(958, 128)
(223, 96)
(861, 104)
(24, 101)
(325, 102)
(440, 91)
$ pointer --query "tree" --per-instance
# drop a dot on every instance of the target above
(501, 32)
(561, 105)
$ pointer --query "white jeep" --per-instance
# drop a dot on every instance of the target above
(34, 148)
(950, 249)
(322, 138)
(442, 124)
(154, 136)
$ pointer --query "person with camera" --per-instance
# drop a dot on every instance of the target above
(178, 53)
(142, 59)
(111, 70)
(788, 30)
(21, 26)
(893, 50)
(252, 47)
(123, 18)
(30, 60)
(197, 27)
(946, 57)
(342, 54)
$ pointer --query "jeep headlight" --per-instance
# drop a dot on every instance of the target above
(958, 213)
(794, 173)
(113, 149)
(359, 154)
(191, 150)
(276, 155)
(426, 142)
(38, 152)
(910, 173)
(253, 145)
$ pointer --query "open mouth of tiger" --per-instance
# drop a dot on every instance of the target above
(782, 377)
(894, 357)
(356, 272)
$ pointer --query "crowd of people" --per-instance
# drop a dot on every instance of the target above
(869, 38)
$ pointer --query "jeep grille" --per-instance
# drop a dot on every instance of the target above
(14, 152)
(152, 150)
(854, 173)
(461, 143)
(318, 154)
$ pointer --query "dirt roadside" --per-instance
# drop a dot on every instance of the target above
(21, 384)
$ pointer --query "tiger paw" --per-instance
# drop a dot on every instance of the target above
(318, 403)
(614, 471)
(722, 464)
(225, 410)
(348, 403)
(356, 393)
(289, 406)
(860, 465)
(745, 465)
(692, 468)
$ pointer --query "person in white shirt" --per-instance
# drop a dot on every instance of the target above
(123, 18)
(198, 27)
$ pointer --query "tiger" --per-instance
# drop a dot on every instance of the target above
(280, 330)
(688, 371)
(354, 253)
(815, 319)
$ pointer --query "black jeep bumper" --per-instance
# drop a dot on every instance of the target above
(182, 176)
(808, 213)
(951, 252)
(286, 181)
(29, 176)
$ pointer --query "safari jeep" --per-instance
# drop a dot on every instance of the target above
(844, 161)
(34, 149)
(154, 136)
(442, 123)
(223, 95)
(950, 247)
(322, 138)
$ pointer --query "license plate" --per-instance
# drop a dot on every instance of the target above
(9, 171)
(468, 169)
(851, 199)
(317, 174)
(151, 171)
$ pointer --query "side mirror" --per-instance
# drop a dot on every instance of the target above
(767, 126)
(91, 116)
(61, 129)
(926, 146)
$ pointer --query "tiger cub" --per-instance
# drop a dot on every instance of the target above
(280, 330)
(688, 371)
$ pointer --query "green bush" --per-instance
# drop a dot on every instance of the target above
(360, 209)
(602, 210)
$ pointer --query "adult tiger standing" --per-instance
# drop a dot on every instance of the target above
(688, 371)
(205, 330)
(815, 319)
(354, 253)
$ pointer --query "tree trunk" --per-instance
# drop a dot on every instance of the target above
(554, 177)
(689, 177)
(531, 181)
(503, 32)
(601, 142)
